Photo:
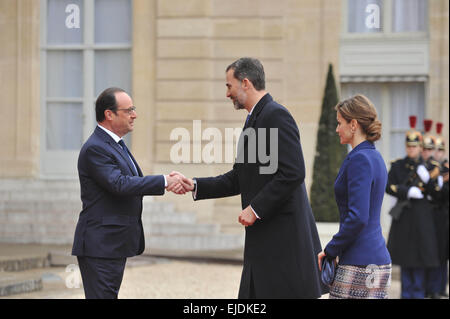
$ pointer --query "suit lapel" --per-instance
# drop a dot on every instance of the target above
(258, 108)
(137, 166)
(123, 154)
(109, 140)
(252, 123)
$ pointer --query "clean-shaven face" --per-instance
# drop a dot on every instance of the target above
(413, 151)
(427, 153)
(123, 122)
(343, 129)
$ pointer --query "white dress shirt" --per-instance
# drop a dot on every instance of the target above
(116, 138)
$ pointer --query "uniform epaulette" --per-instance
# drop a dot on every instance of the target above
(396, 160)
(435, 163)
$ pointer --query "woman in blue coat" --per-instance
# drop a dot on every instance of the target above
(364, 266)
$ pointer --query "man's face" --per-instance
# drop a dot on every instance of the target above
(413, 151)
(439, 155)
(427, 153)
(123, 120)
(235, 91)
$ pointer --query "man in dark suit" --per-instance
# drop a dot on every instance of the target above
(281, 242)
(109, 228)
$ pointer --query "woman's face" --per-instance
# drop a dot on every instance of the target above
(344, 129)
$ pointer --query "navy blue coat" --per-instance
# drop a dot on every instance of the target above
(110, 224)
(359, 190)
(280, 254)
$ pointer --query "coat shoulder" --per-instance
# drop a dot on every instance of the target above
(397, 161)
(274, 110)
(274, 106)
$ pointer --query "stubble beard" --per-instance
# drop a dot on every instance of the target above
(240, 100)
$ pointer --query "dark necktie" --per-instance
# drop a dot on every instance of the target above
(246, 121)
(125, 148)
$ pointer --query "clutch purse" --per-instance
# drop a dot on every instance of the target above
(328, 271)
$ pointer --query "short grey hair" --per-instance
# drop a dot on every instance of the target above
(249, 68)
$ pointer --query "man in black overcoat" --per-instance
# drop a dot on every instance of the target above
(281, 240)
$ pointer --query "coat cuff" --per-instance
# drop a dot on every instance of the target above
(329, 253)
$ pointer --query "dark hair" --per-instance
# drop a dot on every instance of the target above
(106, 101)
(251, 69)
(361, 109)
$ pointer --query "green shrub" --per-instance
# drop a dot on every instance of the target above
(328, 158)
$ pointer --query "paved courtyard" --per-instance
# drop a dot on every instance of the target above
(158, 279)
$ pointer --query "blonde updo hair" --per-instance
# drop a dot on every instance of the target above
(362, 110)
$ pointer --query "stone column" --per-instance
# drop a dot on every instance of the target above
(144, 82)
(438, 88)
(19, 83)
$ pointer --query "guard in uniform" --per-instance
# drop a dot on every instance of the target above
(412, 240)
(437, 277)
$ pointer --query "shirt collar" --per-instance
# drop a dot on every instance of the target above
(250, 113)
(112, 134)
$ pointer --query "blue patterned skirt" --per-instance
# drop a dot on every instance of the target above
(361, 282)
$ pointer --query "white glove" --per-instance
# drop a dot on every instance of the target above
(440, 181)
(423, 174)
(414, 192)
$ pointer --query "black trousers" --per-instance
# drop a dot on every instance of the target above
(101, 277)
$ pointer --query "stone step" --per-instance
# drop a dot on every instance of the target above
(11, 285)
(148, 218)
(173, 229)
(22, 185)
(150, 205)
(58, 202)
(38, 189)
(56, 217)
(195, 242)
(18, 273)
(30, 283)
(22, 263)
(224, 255)
(59, 228)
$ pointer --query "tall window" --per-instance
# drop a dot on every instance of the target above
(86, 47)
(409, 15)
(394, 102)
(405, 99)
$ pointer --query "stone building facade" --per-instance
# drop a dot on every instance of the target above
(171, 56)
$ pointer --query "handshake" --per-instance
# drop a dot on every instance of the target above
(178, 183)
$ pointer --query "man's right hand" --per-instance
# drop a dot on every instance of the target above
(174, 184)
(185, 183)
